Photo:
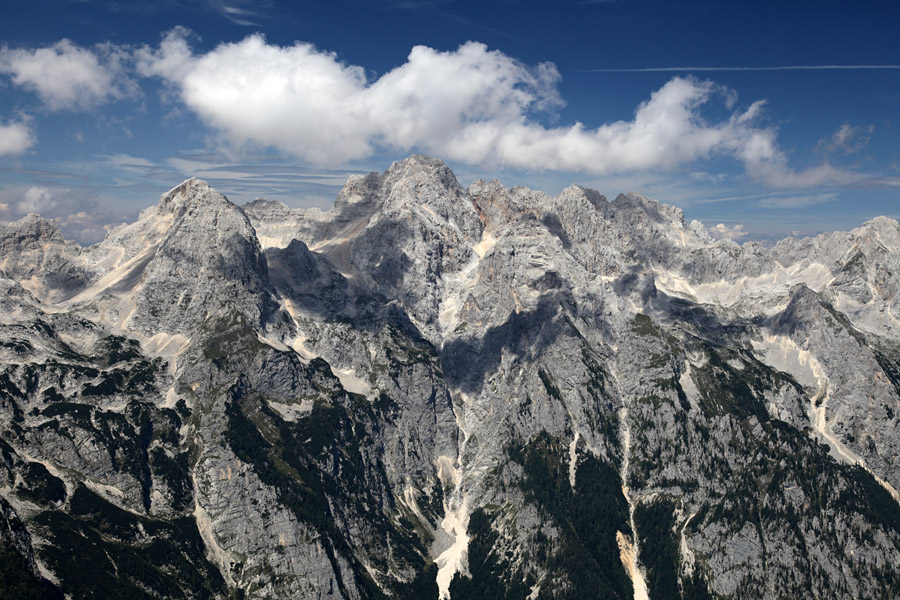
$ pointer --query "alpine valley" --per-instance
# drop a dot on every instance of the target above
(437, 392)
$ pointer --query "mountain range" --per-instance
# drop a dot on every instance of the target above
(437, 392)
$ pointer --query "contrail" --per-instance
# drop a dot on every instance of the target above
(778, 68)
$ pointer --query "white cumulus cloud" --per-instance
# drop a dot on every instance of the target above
(471, 105)
(67, 76)
(84, 227)
(306, 102)
(15, 138)
(37, 199)
(722, 231)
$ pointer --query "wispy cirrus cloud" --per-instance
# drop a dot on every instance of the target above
(797, 201)
(440, 10)
(725, 69)
(244, 177)
(240, 12)
(846, 140)
(250, 13)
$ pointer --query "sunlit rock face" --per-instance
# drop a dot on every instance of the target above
(438, 392)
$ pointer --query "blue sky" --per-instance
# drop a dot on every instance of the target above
(761, 119)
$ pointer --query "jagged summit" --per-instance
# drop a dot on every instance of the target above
(35, 254)
(414, 184)
(661, 213)
(209, 254)
(192, 196)
(885, 229)
(424, 172)
(264, 204)
(33, 226)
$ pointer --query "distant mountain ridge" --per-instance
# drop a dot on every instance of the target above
(431, 391)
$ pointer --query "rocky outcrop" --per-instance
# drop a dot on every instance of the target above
(35, 254)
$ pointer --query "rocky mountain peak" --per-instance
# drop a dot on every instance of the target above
(656, 211)
(423, 169)
(413, 177)
(423, 186)
(595, 198)
(35, 254)
(499, 206)
(884, 229)
(803, 302)
(358, 199)
(263, 204)
(192, 193)
(209, 253)
(31, 229)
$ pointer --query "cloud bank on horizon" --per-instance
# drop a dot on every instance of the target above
(472, 105)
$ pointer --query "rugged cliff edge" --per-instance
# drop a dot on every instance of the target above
(432, 391)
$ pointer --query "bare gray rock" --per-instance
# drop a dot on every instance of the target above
(431, 391)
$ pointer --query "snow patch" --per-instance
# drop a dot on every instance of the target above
(763, 294)
(573, 459)
(686, 381)
(454, 559)
(687, 555)
(292, 412)
(352, 382)
(171, 398)
(629, 549)
(165, 344)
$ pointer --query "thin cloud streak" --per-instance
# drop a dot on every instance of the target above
(776, 68)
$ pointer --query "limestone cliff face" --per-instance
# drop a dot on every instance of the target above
(430, 391)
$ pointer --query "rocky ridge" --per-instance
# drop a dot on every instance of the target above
(432, 391)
